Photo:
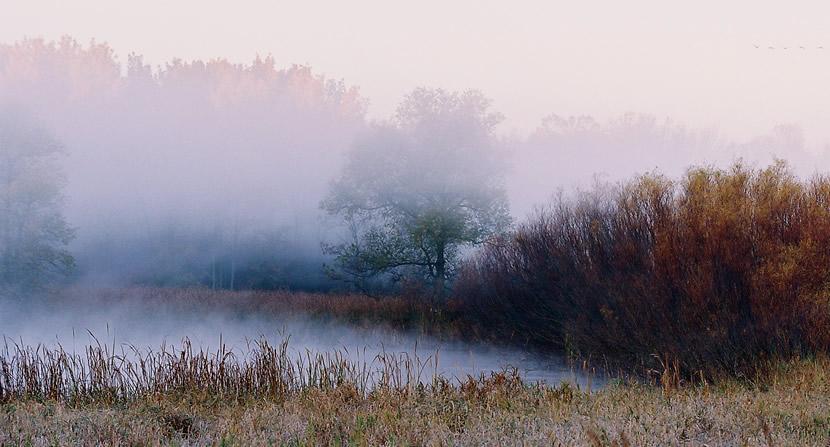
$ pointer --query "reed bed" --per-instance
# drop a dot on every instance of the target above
(789, 407)
(113, 373)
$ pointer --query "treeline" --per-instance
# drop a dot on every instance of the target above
(716, 271)
(186, 172)
(211, 173)
(218, 259)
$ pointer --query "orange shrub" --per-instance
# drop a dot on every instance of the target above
(718, 270)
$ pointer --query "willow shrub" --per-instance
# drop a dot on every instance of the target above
(718, 271)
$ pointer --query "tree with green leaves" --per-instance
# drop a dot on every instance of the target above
(418, 190)
(33, 231)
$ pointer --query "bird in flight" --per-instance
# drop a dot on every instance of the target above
(770, 47)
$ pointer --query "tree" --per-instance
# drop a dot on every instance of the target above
(33, 232)
(418, 190)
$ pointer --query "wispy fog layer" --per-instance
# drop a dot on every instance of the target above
(211, 173)
(574, 152)
(76, 321)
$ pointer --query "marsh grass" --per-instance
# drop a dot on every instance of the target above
(121, 373)
(193, 398)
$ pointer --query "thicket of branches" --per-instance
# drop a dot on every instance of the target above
(715, 270)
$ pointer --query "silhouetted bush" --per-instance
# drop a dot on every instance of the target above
(719, 271)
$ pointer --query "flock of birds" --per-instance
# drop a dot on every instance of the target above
(787, 48)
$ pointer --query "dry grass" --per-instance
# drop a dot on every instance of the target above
(118, 374)
(790, 407)
(195, 398)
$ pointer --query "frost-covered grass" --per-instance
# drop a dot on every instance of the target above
(274, 400)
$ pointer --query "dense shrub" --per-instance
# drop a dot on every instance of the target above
(717, 271)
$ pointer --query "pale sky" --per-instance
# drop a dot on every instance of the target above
(694, 61)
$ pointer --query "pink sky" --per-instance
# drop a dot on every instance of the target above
(693, 61)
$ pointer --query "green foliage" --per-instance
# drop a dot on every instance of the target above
(418, 190)
(33, 232)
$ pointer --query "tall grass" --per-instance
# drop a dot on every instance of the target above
(114, 374)
(716, 271)
(790, 408)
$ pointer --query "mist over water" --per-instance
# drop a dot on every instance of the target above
(211, 174)
(133, 325)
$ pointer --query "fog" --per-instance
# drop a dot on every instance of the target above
(210, 173)
(574, 152)
(196, 154)
(695, 62)
(197, 172)
(130, 324)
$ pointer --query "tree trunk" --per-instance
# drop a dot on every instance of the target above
(213, 273)
(440, 274)
(233, 272)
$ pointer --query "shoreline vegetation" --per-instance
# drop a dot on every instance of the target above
(201, 398)
(100, 397)
(706, 296)
(718, 272)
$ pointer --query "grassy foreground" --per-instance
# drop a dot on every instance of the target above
(791, 406)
